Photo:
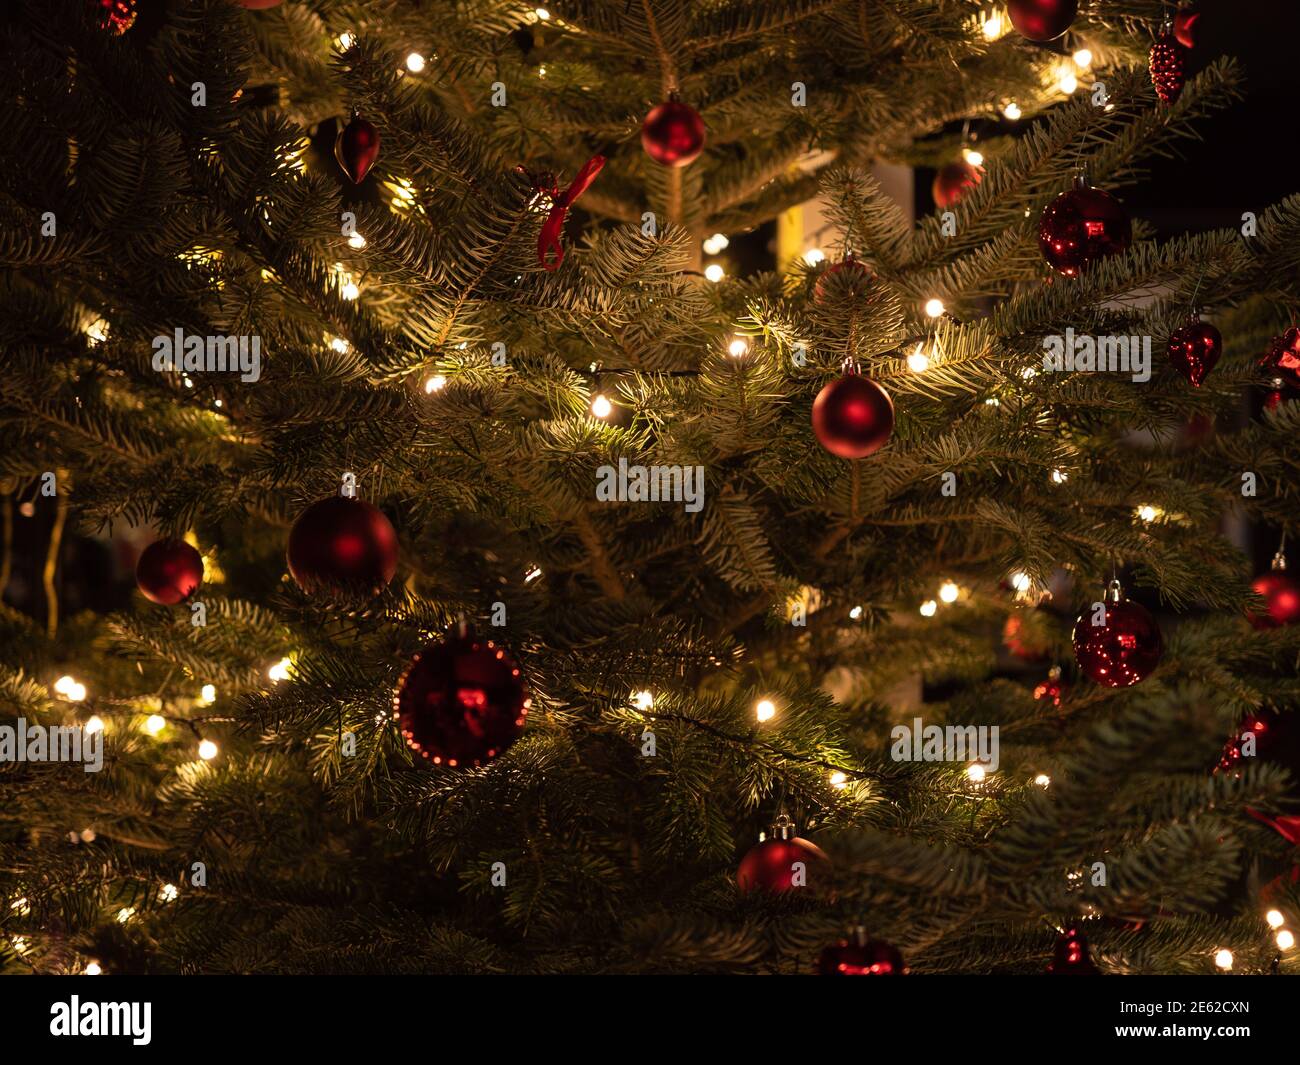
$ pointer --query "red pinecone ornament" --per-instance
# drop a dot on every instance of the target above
(1071, 956)
(1124, 648)
(1042, 20)
(861, 956)
(340, 544)
(461, 702)
(1194, 349)
(1281, 593)
(1168, 65)
(356, 148)
(673, 134)
(1283, 357)
(853, 416)
(115, 16)
(783, 863)
(169, 571)
(953, 181)
(1081, 226)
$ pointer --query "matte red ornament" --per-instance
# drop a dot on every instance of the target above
(1281, 593)
(782, 863)
(849, 276)
(1042, 20)
(1194, 349)
(1071, 956)
(1185, 27)
(1168, 65)
(1124, 648)
(115, 16)
(461, 702)
(1283, 357)
(169, 571)
(953, 181)
(853, 416)
(356, 148)
(1081, 226)
(673, 134)
(861, 956)
(339, 544)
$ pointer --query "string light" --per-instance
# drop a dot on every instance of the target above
(415, 62)
(125, 914)
(1275, 918)
(1012, 111)
(1043, 780)
(534, 573)
(1148, 513)
(207, 750)
(1223, 959)
(279, 671)
(643, 700)
(918, 361)
(93, 969)
(22, 906)
(1021, 582)
(814, 256)
(97, 331)
(856, 613)
(929, 608)
(993, 26)
(356, 241)
(349, 291)
(344, 41)
(70, 689)
(436, 383)
(934, 307)
(1059, 477)
(1082, 59)
(95, 724)
(948, 592)
(976, 773)
(601, 407)
(714, 272)
(765, 710)
(839, 781)
(739, 347)
(542, 13)
(154, 724)
(168, 893)
(972, 156)
(715, 244)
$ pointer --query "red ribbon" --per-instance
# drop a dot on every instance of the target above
(549, 240)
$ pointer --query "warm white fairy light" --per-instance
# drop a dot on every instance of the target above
(918, 361)
(534, 573)
(839, 780)
(993, 26)
(1043, 780)
(1275, 918)
(279, 671)
(356, 241)
(929, 608)
(1223, 959)
(644, 700)
(976, 773)
(1012, 111)
(856, 613)
(349, 291)
(207, 750)
(1082, 59)
(436, 383)
(208, 694)
(125, 914)
(601, 407)
(714, 272)
(1028, 373)
(1059, 477)
(93, 969)
(21, 906)
(1148, 513)
(1068, 82)
(972, 156)
(948, 592)
(1021, 582)
(70, 689)
(934, 307)
(765, 710)
(154, 724)
(344, 41)
(168, 893)
(415, 62)
(1284, 940)
(340, 345)
(813, 256)
(97, 331)
(715, 244)
(542, 13)
(95, 724)
(739, 347)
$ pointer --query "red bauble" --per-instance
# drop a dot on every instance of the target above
(673, 134)
(1042, 20)
(342, 544)
(1168, 65)
(853, 416)
(356, 148)
(169, 571)
(1081, 226)
(1194, 349)
(115, 16)
(861, 956)
(783, 863)
(461, 702)
(1283, 356)
(1281, 592)
(1071, 956)
(848, 277)
(953, 181)
(1122, 651)
(1185, 27)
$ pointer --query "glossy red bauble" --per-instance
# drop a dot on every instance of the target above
(461, 702)
(169, 571)
(1071, 956)
(783, 863)
(1168, 65)
(1281, 593)
(864, 957)
(1283, 357)
(673, 134)
(953, 181)
(340, 544)
(356, 148)
(1123, 649)
(853, 416)
(115, 16)
(1081, 226)
(1194, 349)
(1042, 20)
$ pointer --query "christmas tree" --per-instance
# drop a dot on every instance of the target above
(463, 515)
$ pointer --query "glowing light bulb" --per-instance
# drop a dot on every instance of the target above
(95, 724)
(739, 347)
(918, 361)
(207, 750)
(948, 592)
(1275, 918)
(993, 27)
(125, 914)
(814, 256)
(21, 906)
(541, 72)
(1042, 780)
(93, 969)
(1285, 940)
(644, 700)
(1012, 111)
(1068, 83)
(928, 608)
(77, 693)
(1059, 477)
(436, 383)
(154, 724)
(1148, 513)
(1021, 582)
(350, 291)
(839, 780)
(415, 62)
(1082, 59)
(356, 241)
(1028, 373)
(168, 893)
(714, 272)
(976, 773)
(97, 331)
(64, 684)
(344, 41)
(856, 613)
(1223, 959)
(601, 407)
(279, 671)
(765, 710)
(934, 308)
(208, 694)
(715, 244)
(972, 156)
(534, 573)
(542, 13)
